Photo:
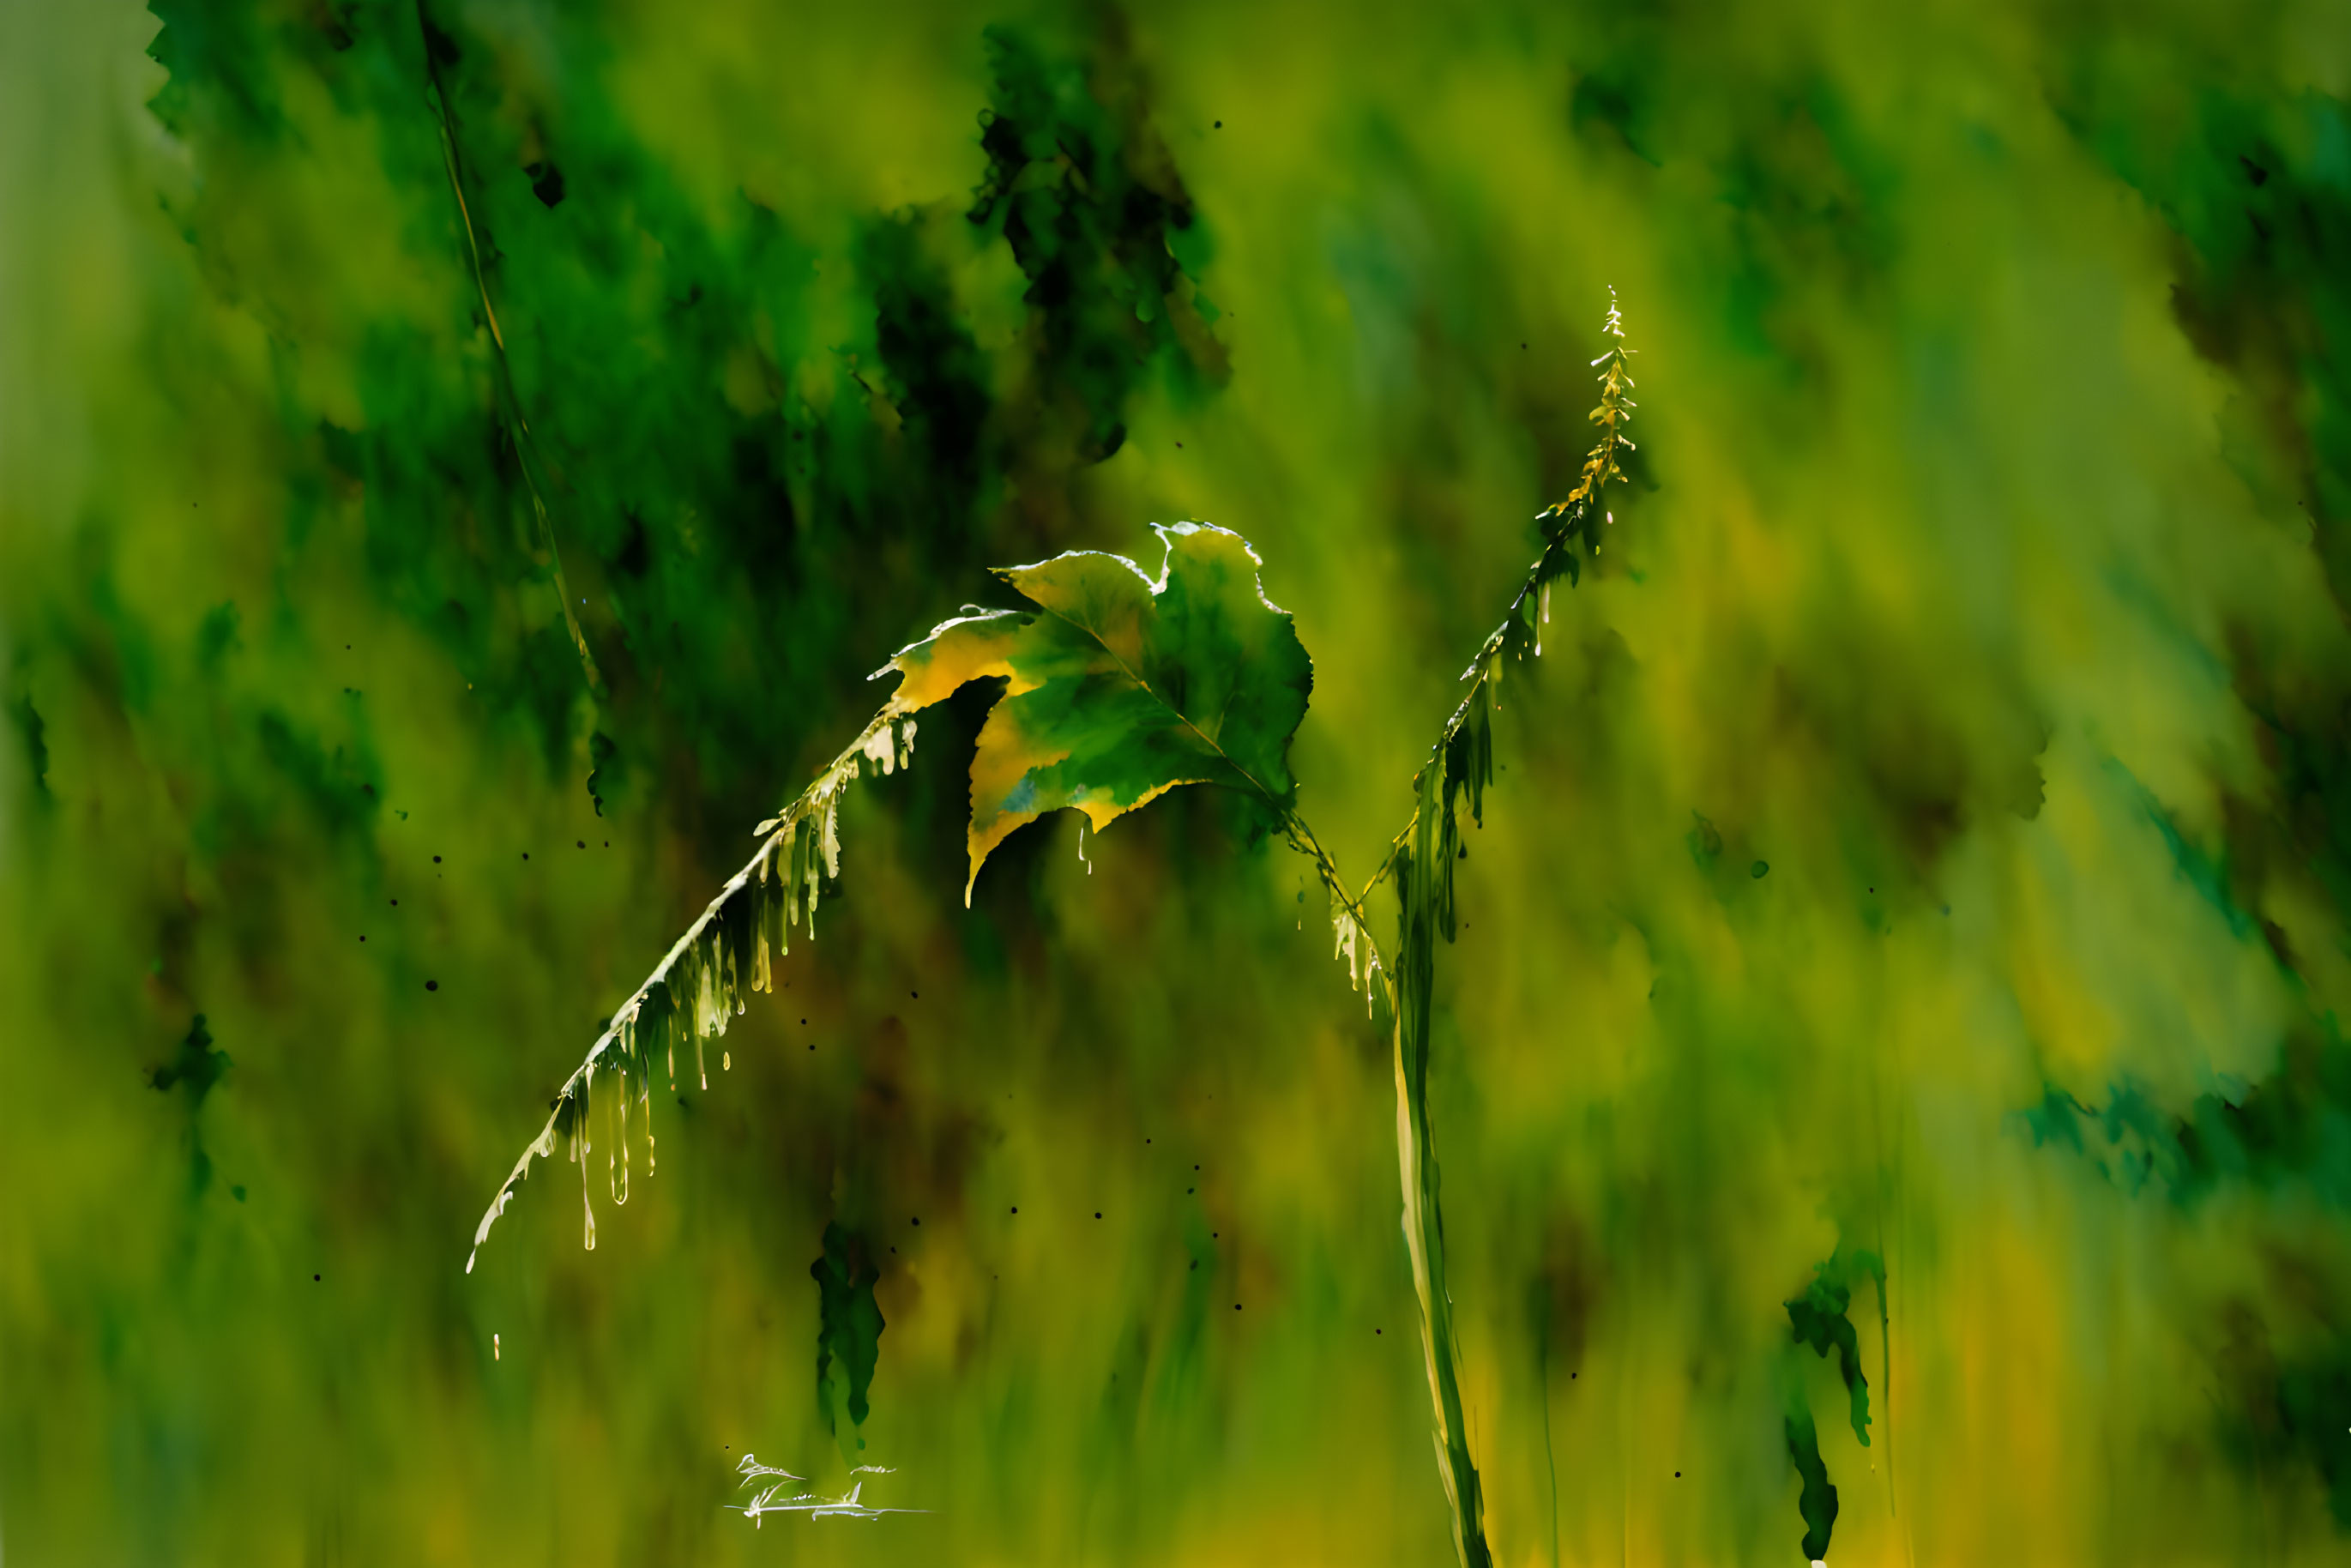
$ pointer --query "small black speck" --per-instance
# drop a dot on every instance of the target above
(1179, 446)
(1196, 1167)
(1573, 1375)
(1677, 1475)
(1379, 1331)
(362, 939)
(916, 995)
(893, 1249)
(347, 647)
(1220, 125)
(583, 843)
(315, 1276)
(1097, 1214)
(436, 860)
(804, 1020)
(395, 903)
(918, 1222)
(1521, 345)
(1213, 1235)
(1187, 1191)
(1146, 1140)
(526, 854)
(608, 843)
(432, 985)
(1016, 1209)
(811, 1045)
(1237, 1306)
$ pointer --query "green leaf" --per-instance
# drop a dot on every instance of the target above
(1117, 688)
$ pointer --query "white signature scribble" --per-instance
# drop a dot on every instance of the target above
(771, 1501)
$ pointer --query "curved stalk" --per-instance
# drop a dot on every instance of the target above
(525, 445)
(1407, 991)
(1420, 861)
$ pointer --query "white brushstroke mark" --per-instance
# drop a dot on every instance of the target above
(847, 1505)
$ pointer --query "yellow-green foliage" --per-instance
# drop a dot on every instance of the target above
(1923, 834)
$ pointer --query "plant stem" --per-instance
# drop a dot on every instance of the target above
(1420, 863)
(1406, 989)
(1424, 1220)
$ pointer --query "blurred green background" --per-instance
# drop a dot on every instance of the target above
(1927, 832)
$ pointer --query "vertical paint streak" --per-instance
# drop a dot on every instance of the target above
(1551, 1457)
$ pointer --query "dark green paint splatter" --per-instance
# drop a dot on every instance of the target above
(849, 1331)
